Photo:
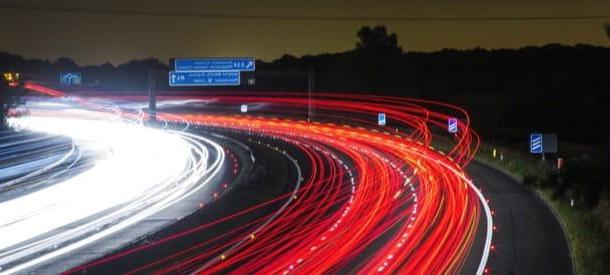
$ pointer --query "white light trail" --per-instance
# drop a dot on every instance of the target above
(140, 171)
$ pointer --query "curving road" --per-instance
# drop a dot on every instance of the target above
(340, 194)
(135, 173)
(364, 185)
(529, 239)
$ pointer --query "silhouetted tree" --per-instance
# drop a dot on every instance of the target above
(377, 61)
(377, 41)
(65, 64)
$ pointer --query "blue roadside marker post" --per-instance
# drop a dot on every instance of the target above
(536, 144)
(452, 125)
(381, 119)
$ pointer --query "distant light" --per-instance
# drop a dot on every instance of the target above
(11, 78)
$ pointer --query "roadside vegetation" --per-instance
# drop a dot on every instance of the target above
(579, 193)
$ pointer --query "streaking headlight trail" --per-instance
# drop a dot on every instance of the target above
(137, 171)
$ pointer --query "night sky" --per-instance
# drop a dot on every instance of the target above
(97, 38)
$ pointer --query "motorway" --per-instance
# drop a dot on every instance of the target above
(345, 193)
(282, 195)
(134, 175)
(250, 196)
(529, 239)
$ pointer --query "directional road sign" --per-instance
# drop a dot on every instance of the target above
(215, 64)
(206, 78)
(452, 125)
(536, 144)
(69, 79)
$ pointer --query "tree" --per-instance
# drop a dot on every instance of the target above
(607, 27)
(377, 41)
(65, 64)
(377, 61)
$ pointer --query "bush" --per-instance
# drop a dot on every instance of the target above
(531, 181)
(582, 179)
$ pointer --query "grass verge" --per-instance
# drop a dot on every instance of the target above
(589, 240)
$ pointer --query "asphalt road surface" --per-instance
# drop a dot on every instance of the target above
(529, 238)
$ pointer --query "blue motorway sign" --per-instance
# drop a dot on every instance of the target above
(452, 125)
(69, 79)
(381, 119)
(209, 78)
(536, 144)
(215, 64)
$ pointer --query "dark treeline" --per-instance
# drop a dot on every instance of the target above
(130, 76)
(509, 92)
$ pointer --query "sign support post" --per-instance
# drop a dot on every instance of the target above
(310, 84)
(152, 97)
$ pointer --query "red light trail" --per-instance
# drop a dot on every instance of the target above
(367, 183)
